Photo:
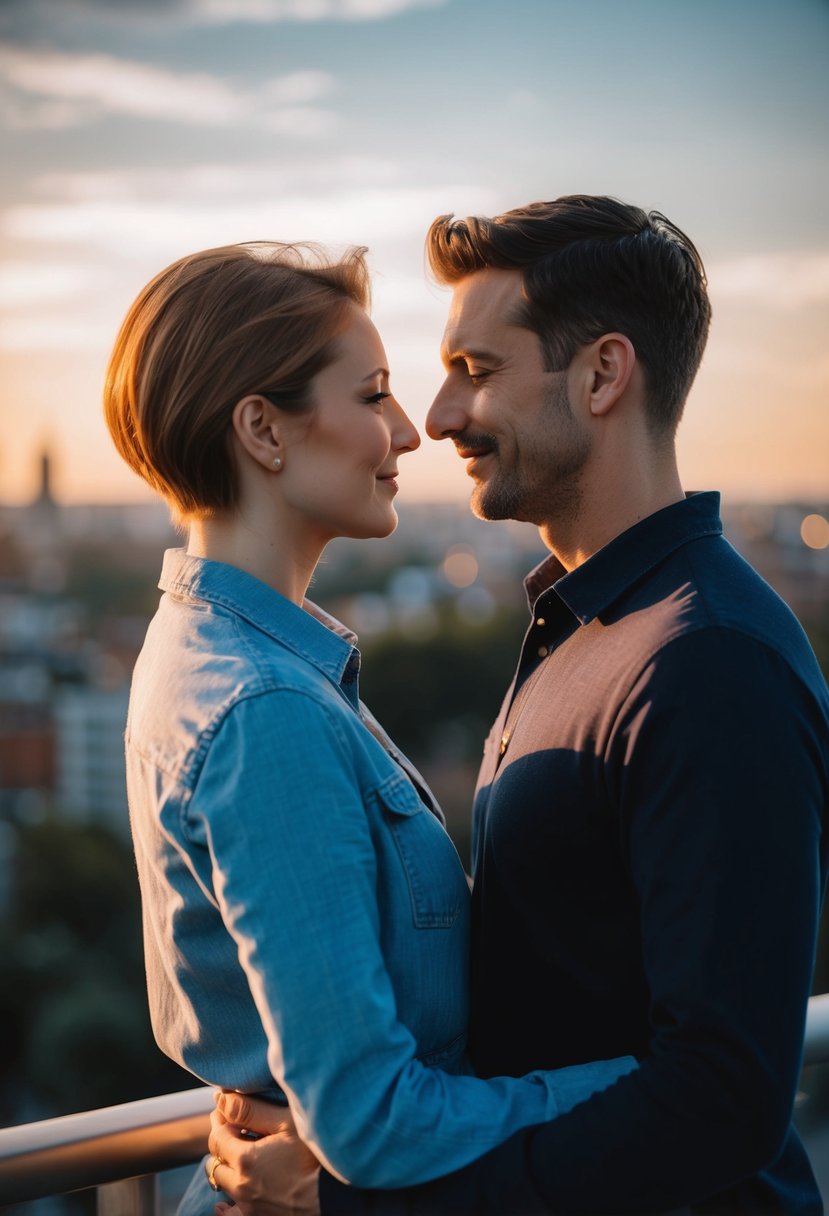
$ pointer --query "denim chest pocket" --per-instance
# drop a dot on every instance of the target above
(437, 883)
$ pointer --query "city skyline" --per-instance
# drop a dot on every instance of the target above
(135, 133)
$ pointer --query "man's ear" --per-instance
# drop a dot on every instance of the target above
(254, 423)
(611, 360)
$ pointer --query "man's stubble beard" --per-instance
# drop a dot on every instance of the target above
(547, 485)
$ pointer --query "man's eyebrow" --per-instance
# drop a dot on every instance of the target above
(457, 352)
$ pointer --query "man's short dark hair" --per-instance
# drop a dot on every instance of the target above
(593, 265)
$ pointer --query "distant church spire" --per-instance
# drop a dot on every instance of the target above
(43, 540)
(44, 495)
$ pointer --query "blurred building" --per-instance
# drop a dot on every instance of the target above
(38, 648)
(63, 681)
(90, 777)
(794, 558)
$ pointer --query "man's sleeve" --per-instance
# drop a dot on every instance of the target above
(717, 770)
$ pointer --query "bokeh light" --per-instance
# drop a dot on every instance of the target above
(460, 567)
(814, 531)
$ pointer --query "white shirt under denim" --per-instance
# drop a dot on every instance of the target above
(305, 912)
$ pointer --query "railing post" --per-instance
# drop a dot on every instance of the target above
(130, 1197)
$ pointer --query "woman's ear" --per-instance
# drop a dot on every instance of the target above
(612, 360)
(256, 428)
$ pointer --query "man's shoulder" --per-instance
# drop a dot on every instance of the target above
(707, 589)
(731, 595)
(707, 583)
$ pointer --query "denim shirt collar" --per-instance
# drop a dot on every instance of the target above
(593, 586)
(309, 631)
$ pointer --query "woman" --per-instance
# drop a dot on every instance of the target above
(305, 912)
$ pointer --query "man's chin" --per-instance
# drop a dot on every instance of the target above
(487, 503)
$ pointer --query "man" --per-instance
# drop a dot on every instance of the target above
(650, 853)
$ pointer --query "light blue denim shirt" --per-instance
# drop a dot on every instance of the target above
(305, 912)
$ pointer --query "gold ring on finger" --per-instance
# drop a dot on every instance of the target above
(211, 1177)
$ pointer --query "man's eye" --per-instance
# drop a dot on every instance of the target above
(376, 398)
(477, 377)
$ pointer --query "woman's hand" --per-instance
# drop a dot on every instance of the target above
(272, 1175)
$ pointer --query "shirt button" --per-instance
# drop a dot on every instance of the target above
(540, 622)
(542, 652)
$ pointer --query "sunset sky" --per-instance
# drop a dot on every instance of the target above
(136, 132)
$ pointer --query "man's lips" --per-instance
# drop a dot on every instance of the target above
(471, 447)
(474, 452)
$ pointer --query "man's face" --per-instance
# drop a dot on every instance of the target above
(509, 417)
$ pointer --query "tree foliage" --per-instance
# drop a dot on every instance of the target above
(74, 1024)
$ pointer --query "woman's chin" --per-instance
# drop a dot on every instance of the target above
(376, 529)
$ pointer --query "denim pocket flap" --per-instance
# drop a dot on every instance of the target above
(399, 796)
(434, 874)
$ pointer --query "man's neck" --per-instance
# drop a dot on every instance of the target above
(612, 501)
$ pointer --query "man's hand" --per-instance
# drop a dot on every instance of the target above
(274, 1175)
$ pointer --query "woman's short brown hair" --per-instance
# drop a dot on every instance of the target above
(210, 329)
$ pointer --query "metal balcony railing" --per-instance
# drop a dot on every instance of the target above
(121, 1150)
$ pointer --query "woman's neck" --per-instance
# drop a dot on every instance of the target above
(280, 562)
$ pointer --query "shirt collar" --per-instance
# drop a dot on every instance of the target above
(309, 631)
(594, 585)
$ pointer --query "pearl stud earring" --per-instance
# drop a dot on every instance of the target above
(277, 462)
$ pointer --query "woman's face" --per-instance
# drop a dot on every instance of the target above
(339, 475)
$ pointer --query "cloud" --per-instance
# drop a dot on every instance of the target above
(781, 280)
(55, 305)
(48, 88)
(269, 11)
(220, 182)
(136, 212)
(133, 226)
(298, 88)
(55, 333)
(96, 237)
(23, 284)
(26, 19)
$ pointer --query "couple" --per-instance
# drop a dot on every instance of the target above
(649, 848)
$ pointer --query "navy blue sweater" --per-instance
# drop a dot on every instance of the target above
(650, 863)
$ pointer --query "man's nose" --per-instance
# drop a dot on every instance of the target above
(446, 414)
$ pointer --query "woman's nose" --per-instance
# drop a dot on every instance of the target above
(405, 435)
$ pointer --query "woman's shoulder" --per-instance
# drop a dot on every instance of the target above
(189, 679)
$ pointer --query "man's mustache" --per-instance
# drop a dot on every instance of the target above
(474, 443)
